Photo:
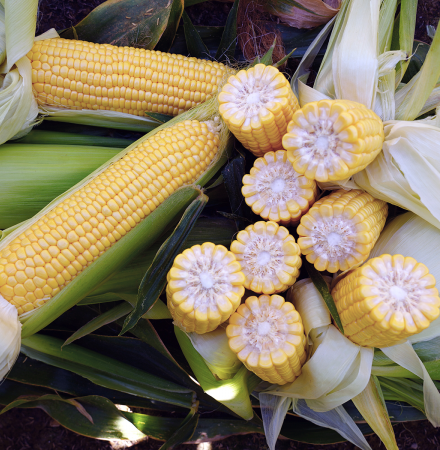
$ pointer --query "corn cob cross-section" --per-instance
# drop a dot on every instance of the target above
(340, 229)
(257, 104)
(386, 300)
(45, 257)
(269, 257)
(83, 75)
(332, 140)
(268, 336)
(205, 286)
(276, 192)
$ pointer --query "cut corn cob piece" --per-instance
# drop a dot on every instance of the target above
(276, 192)
(269, 257)
(340, 229)
(205, 286)
(386, 300)
(332, 140)
(268, 336)
(257, 104)
(46, 256)
(83, 75)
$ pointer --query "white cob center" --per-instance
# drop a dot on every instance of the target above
(333, 238)
(206, 280)
(263, 256)
(277, 183)
(398, 293)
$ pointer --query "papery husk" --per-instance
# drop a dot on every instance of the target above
(407, 172)
(214, 349)
(313, 13)
(10, 339)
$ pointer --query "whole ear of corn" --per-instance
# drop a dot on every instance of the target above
(205, 286)
(83, 75)
(386, 300)
(269, 257)
(60, 244)
(268, 336)
(331, 140)
(276, 192)
(257, 104)
(340, 229)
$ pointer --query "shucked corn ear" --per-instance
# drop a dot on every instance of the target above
(257, 104)
(83, 75)
(269, 257)
(276, 192)
(386, 300)
(268, 336)
(205, 286)
(332, 140)
(56, 248)
(340, 229)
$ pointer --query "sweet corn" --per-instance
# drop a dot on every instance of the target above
(257, 104)
(205, 286)
(45, 257)
(268, 336)
(83, 75)
(386, 300)
(276, 192)
(340, 229)
(331, 140)
(269, 257)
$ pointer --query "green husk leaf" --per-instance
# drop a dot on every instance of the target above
(131, 23)
(402, 390)
(420, 50)
(407, 26)
(154, 280)
(185, 431)
(233, 393)
(159, 117)
(323, 289)
(196, 46)
(228, 42)
(105, 371)
(283, 60)
(371, 405)
(386, 24)
(167, 39)
(266, 59)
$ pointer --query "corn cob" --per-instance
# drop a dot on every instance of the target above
(269, 257)
(83, 75)
(45, 257)
(340, 229)
(332, 140)
(257, 104)
(386, 300)
(276, 192)
(268, 336)
(205, 286)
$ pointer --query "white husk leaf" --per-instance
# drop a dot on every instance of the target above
(407, 172)
(307, 94)
(214, 349)
(10, 340)
(410, 235)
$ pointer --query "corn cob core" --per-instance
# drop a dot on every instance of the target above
(332, 140)
(340, 229)
(269, 257)
(386, 300)
(205, 286)
(83, 75)
(268, 336)
(61, 244)
(257, 104)
(276, 192)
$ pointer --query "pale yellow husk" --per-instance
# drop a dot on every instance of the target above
(10, 340)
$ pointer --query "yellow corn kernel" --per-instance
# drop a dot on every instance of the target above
(269, 257)
(340, 229)
(387, 299)
(205, 286)
(276, 192)
(268, 336)
(64, 241)
(331, 140)
(84, 75)
(257, 104)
